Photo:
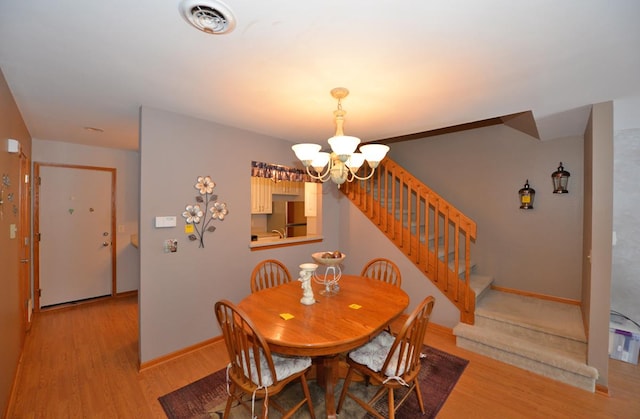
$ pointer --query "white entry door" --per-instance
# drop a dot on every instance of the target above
(75, 222)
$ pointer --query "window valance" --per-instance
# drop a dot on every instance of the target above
(278, 172)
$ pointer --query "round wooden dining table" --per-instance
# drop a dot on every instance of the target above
(337, 323)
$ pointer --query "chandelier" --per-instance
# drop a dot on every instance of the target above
(342, 164)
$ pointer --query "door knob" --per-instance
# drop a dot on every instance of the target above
(105, 244)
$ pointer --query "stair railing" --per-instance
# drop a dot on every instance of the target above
(430, 231)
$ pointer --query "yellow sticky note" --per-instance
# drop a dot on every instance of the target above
(188, 228)
(286, 316)
(355, 306)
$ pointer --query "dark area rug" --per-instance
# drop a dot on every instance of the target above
(206, 397)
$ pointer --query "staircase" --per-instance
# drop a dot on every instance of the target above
(430, 231)
(542, 336)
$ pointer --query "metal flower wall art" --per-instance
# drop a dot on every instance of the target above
(200, 215)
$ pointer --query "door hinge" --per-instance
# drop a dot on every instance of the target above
(38, 236)
(39, 181)
(26, 178)
(39, 292)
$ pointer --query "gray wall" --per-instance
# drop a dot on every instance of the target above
(178, 290)
(127, 192)
(625, 283)
(480, 172)
(538, 251)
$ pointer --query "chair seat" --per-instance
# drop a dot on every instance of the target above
(390, 362)
(263, 377)
(374, 353)
(285, 366)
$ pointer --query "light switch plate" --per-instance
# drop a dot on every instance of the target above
(13, 146)
(166, 221)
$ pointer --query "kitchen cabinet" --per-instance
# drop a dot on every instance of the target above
(261, 191)
(311, 199)
(287, 187)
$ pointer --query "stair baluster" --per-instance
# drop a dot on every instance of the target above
(430, 231)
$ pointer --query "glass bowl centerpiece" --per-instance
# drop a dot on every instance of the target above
(332, 272)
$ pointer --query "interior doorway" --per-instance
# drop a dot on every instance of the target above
(74, 222)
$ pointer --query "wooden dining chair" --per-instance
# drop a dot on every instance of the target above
(269, 273)
(254, 372)
(390, 362)
(384, 270)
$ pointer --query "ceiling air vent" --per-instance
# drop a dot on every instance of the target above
(210, 16)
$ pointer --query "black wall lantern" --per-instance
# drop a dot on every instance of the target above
(560, 180)
(526, 196)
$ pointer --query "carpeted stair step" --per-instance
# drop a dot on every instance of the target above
(533, 319)
(530, 355)
(550, 340)
(545, 337)
(480, 284)
(549, 317)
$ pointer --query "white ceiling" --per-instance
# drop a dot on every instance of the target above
(411, 65)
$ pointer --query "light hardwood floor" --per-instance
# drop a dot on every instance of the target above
(82, 362)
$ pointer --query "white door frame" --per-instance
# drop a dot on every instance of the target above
(24, 229)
